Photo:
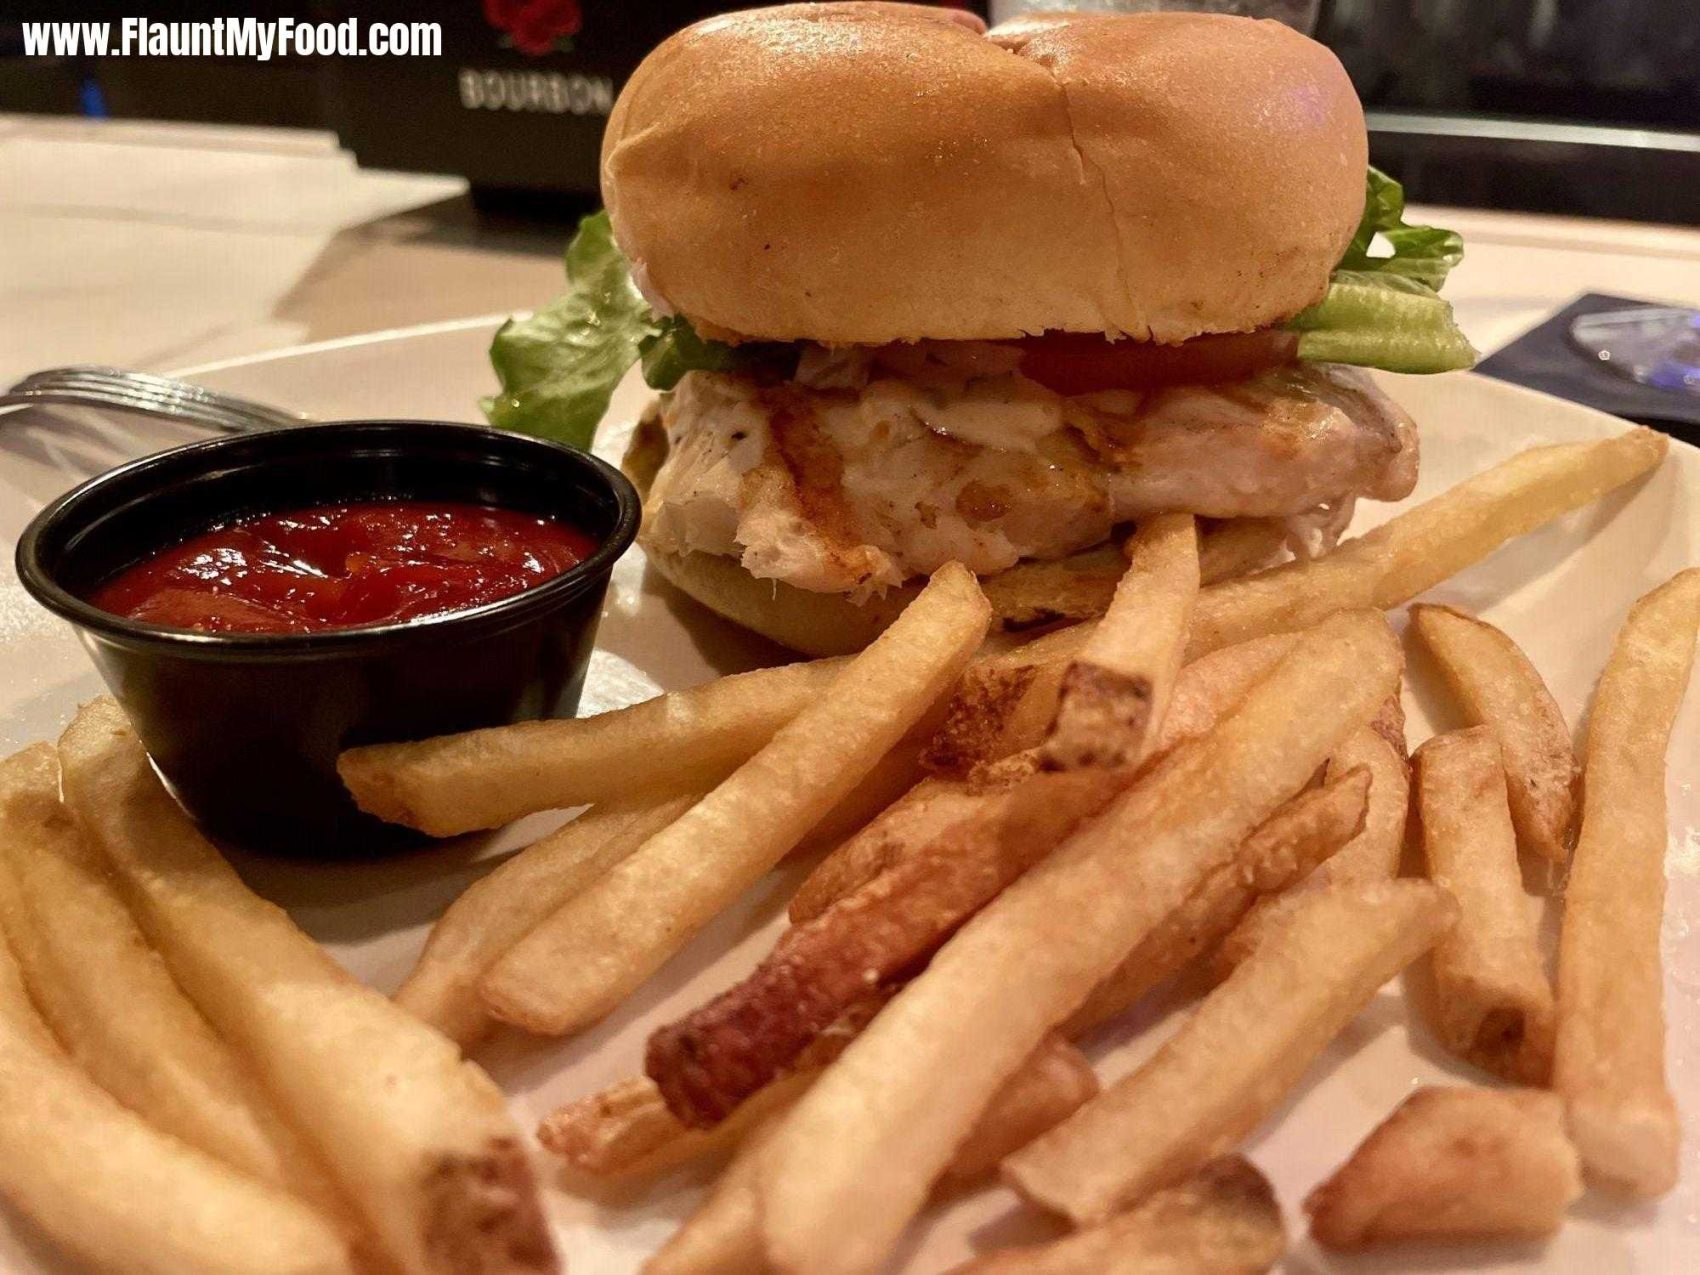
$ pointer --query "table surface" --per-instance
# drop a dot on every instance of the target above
(161, 246)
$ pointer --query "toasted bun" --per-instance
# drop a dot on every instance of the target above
(813, 623)
(857, 174)
(1028, 595)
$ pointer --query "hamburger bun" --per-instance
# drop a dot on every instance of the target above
(859, 174)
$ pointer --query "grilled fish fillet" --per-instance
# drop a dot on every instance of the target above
(856, 489)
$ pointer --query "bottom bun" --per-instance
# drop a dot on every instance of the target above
(813, 623)
(1027, 595)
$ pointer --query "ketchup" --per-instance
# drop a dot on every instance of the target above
(343, 566)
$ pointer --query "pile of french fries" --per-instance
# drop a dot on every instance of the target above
(1013, 847)
(1210, 776)
(192, 1084)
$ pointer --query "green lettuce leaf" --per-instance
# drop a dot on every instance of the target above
(558, 367)
(674, 348)
(1423, 253)
(1388, 321)
(1386, 310)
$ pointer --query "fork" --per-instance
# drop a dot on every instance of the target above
(88, 385)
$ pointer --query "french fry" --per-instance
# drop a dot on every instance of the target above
(1204, 689)
(723, 1237)
(1427, 544)
(1222, 1221)
(1240, 1052)
(676, 742)
(1004, 705)
(1372, 855)
(1232, 547)
(421, 1141)
(1080, 586)
(1492, 1004)
(1115, 693)
(110, 1188)
(914, 820)
(1496, 686)
(600, 945)
(1409, 554)
(1033, 593)
(497, 911)
(1609, 1064)
(626, 1130)
(714, 1058)
(1054, 1083)
(891, 777)
(1453, 1164)
(109, 999)
(1286, 846)
(854, 1160)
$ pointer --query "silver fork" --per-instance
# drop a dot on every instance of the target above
(88, 385)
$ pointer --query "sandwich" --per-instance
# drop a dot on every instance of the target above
(915, 292)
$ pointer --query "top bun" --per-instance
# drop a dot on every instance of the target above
(864, 173)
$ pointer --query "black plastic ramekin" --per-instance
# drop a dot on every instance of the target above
(246, 728)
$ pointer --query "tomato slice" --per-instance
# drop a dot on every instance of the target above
(1084, 362)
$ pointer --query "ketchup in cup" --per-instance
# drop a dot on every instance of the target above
(344, 566)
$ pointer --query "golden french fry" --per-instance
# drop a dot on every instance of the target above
(1079, 587)
(718, 1055)
(1221, 1221)
(1212, 684)
(1386, 567)
(722, 1236)
(1609, 1064)
(914, 820)
(1116, 691)
(677, 742)
(109, 999)
(1286, 846)
(1497, 687)
(976, 839)
(1453, 1164)
(1004, 705)
(421, 1141)
(891, 777)
(1233, 547)
(1425, 545)
(604, 942)
(1240, 1052)
(1032, 593)
(497, 911)
(1491, 1002)
(1203, 691)
(107, 1186)
(1054, 1083)
(854, 1160)
(626, 1130)
(1372, 855)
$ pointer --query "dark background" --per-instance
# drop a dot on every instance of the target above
(1576, 106)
